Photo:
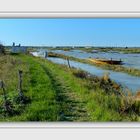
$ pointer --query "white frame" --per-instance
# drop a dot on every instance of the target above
(71, 14)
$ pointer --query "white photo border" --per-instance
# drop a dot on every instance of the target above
(69, 14)
(73, 125)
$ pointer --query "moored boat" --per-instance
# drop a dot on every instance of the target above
(105, 61)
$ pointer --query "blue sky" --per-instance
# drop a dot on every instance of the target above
(52, 32)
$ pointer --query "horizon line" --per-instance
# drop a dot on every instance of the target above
(73, 46)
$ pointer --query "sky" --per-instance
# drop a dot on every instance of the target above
(120, 32)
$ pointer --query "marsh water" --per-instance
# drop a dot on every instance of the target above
(127, 81)
(129, 60)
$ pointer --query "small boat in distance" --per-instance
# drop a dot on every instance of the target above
(105, 61)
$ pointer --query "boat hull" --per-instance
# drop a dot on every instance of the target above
(104, 61)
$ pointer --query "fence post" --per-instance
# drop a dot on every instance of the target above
(4, 92)
(20, 83)
(68, 62)
(4, 95)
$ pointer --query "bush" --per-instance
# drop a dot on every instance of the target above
(80, 74)
(2, 50)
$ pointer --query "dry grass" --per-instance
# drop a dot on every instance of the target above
(137, 97)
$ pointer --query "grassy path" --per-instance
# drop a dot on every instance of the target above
(79, 99)
(58, 95)
(71, 107)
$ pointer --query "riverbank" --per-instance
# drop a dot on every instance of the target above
(126, 50)
(60, 93)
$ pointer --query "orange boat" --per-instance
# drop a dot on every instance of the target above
(105, 61)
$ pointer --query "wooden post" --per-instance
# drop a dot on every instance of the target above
(4, 92)
(4, 95)
(68, 63)
(20, 83)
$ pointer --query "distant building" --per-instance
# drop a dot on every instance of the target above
(18, 49)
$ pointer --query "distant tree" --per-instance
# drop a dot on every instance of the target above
(2, 49)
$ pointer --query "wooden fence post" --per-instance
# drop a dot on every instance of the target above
(3, 89)
(68, 63)
(20, 83)
(4, 95)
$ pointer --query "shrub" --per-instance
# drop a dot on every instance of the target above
(80, 74)
(2, 50)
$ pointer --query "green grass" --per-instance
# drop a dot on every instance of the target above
(58, 93)
(38, 87)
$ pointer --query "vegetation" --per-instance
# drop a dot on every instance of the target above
(110, 49)
(2, 49)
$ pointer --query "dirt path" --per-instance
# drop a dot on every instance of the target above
(71, 107)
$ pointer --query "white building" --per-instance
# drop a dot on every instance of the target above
(18, 49)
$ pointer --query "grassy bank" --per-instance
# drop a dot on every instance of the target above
(58, 93)
(125, 50)
(118, 68)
